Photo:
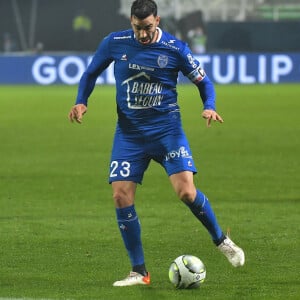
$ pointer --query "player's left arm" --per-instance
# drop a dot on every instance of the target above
(192, 69)
(208, 96)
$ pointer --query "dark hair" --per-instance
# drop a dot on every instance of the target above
(143, 9)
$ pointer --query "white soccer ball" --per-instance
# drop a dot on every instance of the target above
(187, 272)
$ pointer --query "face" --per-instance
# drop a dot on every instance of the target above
(145, 30)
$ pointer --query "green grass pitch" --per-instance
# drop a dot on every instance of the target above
(58, 234)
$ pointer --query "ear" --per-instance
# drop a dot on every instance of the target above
(157, 20)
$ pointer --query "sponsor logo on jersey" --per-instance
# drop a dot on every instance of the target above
(142, 93)
(192, 60)
(181, 152)
(170, 44)
(139, 67)
(124, 57)
(124, 37)
(162, 61)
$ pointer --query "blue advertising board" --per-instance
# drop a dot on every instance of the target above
(254, 68)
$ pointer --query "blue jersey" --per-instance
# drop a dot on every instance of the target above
(146, 78)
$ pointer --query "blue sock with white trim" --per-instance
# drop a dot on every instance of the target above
(130, 229)
(202, 210)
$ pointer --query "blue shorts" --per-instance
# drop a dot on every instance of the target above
(131, 155)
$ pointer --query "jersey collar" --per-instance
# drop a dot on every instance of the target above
(159, 34)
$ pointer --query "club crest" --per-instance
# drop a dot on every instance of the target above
(162, 61)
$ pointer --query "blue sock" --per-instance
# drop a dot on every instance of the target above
(130, 229)
(203, 212)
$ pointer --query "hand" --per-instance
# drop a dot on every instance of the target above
(77, 112)
(210, 115)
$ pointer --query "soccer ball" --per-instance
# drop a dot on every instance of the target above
(187, 272)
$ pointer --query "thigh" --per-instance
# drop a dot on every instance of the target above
(175, 154)
(128, 159)
(183, 184)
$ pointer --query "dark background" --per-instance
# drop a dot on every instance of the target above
(54, 28)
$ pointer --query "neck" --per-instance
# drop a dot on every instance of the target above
(155, 36)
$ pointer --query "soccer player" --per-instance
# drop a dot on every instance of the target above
(146, 65)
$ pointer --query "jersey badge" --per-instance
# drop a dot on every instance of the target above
(162, 61)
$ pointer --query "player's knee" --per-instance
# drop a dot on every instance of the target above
(118, 197)
(186, 195)
(122, 199)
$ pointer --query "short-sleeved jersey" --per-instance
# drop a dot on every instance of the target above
(146, 78)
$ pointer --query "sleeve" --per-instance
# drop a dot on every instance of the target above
(191, 68)
(101, 60)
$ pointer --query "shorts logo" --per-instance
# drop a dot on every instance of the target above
(162, 61)
(181, 152)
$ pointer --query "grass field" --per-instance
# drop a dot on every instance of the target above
(58, 234)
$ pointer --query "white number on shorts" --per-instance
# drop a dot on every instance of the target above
(125, 169)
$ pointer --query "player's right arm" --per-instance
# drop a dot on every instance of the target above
(101, 60)
(76, 113)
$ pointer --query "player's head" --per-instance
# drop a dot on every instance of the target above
(144, 20)
(143, 9)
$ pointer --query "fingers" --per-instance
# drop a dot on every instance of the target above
(72, 115)
(208, 122)
(211, 115)
(219, 118)
(77, 113)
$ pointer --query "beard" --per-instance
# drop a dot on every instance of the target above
(148, 39)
